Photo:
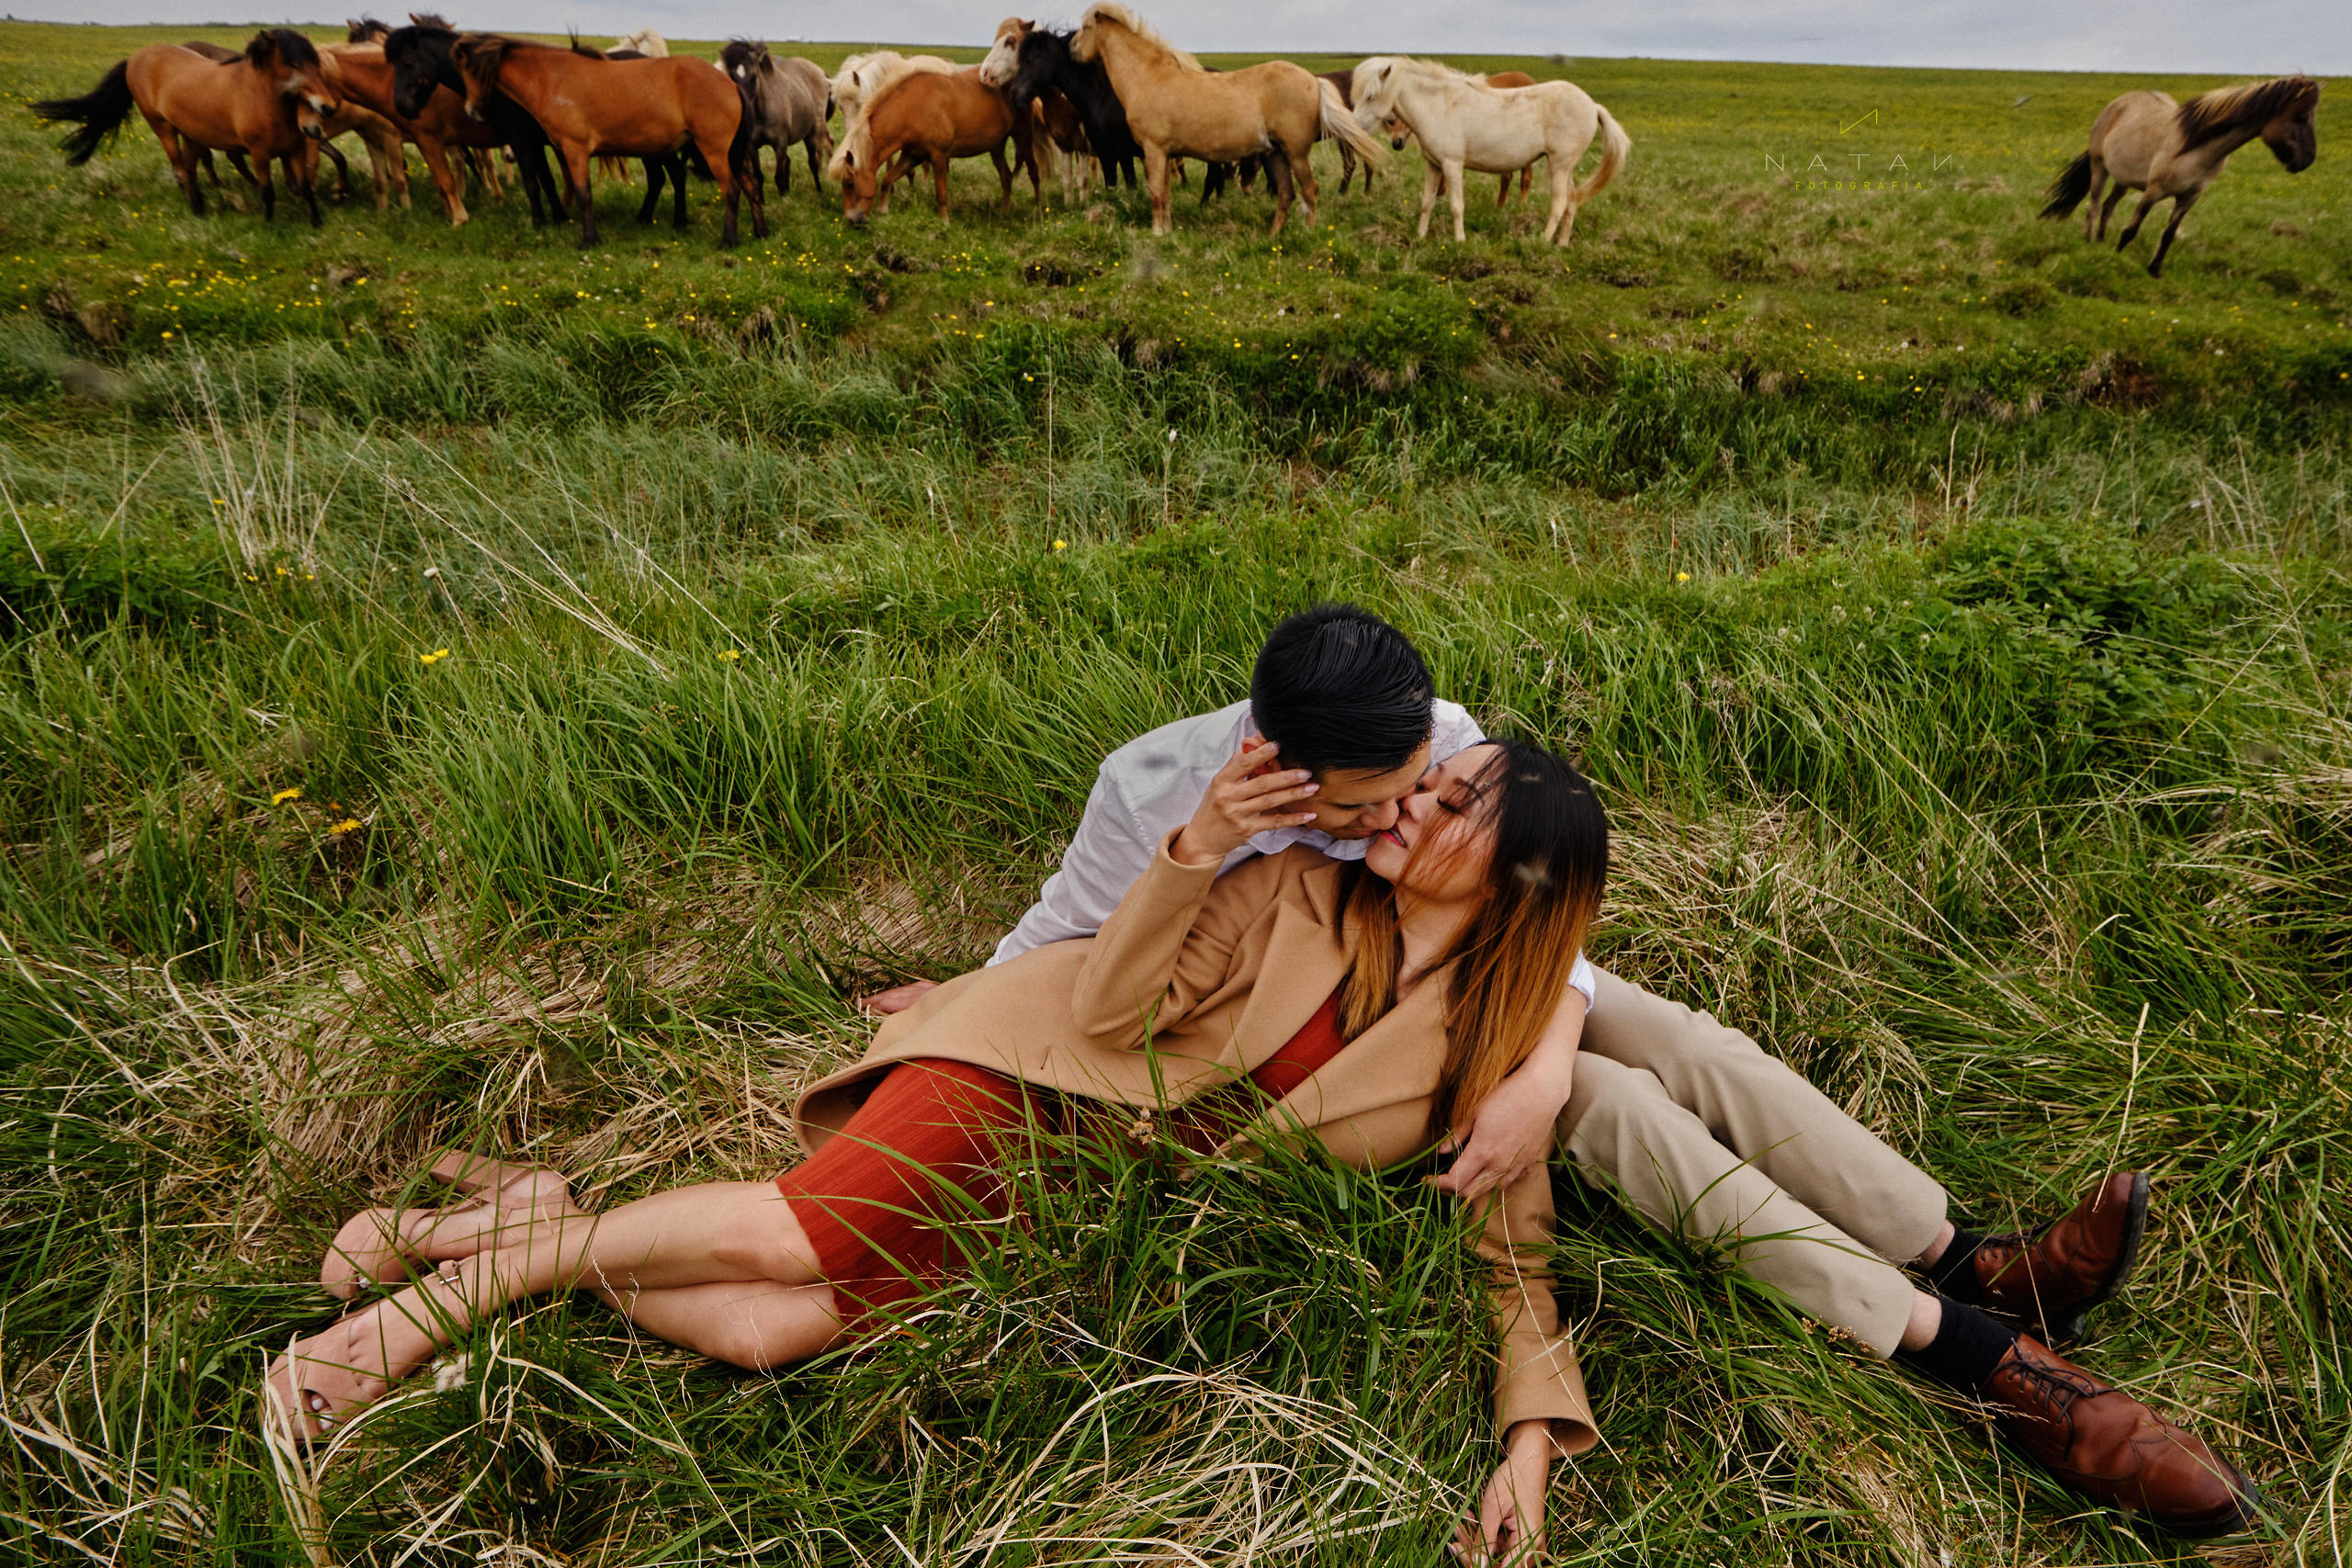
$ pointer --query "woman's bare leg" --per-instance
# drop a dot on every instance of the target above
(728, 1233)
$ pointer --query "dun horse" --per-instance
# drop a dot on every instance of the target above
(2146, 141)
(790, 101)
(272, 102)
(630, 108)
(1464, 124)
(1176, 109)
(925, 117)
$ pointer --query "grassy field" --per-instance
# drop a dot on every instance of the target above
(460, 688)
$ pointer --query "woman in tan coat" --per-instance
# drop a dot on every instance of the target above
(1367, 1007)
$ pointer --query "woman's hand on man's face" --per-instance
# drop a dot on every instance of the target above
(1248, 796)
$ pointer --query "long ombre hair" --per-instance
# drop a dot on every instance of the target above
(1512, 957)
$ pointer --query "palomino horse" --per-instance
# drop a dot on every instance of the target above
(425, 72)
(271, 103)
(790, 101)
(1177, 109)
(926, 118)
(628, 108)
(1464, 124)
(2144, 141)
(1042, 65)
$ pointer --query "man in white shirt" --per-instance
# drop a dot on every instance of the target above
(1694, 1124)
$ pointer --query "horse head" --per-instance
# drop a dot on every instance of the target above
(744, 59)
(477, 56)
(857, 187)
(366, 29)
(420, 62)
(1373, 91)
(1004, 56)
(291, 64)
(2292, 133)
(1039, 61)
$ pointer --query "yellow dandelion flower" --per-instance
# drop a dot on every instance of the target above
(348, 825)
(1682, 577)
(283, 796)
(1061, 544)
(732, 655)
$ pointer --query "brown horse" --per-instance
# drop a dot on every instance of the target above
(272, 102)
(630, 108)
(364, 76)
(2146, 141)
(928, 118)
(1176, 109)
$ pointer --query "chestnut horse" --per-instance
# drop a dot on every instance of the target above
(1176, 109)
(364, 74)
(630, 108)
(271, 103)
(927, 117)
(2146, 141)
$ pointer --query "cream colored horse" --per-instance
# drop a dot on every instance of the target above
(2144, 141)
(1176, 109)
(1464, 124)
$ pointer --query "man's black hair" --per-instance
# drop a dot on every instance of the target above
(1338, 687)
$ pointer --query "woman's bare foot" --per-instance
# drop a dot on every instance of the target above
(334, 1374)
(384, 1245)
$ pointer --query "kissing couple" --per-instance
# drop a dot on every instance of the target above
(1335, 913)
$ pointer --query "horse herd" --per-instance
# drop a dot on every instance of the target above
(1100, 97)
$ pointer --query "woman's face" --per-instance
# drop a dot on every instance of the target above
(1445, 836)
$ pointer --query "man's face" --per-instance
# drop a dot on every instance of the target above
(1356, 803)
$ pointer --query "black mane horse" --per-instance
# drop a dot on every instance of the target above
(420, 58)
(1045, 62)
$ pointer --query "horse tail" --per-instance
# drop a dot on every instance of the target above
(1341, 127)
(2066, 192)
(100, 113)
(1614, 147)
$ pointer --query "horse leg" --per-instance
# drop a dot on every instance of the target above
(1302, 177)
(2112, 197)
(260, 160)
(445, 179)
(1432, 181)
(816, 160)
(2148, 199)
(1564, 211)
(1155, 177)
(304, 177)
(782, 168)
(1455, 191)
(577, 163)
(342, 169)
(656, 170)
(678, 190)
(1003, 178)
(2180, 206)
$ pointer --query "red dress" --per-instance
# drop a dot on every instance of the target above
(927, 1151)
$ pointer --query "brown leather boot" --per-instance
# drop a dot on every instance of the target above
(2101, 1442)
(2048, 1282)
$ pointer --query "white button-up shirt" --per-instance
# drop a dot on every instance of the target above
(1148, 788)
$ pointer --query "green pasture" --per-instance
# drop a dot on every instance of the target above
(453, 688)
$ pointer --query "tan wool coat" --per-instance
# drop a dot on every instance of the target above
(1193, 982)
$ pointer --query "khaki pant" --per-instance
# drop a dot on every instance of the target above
(1712, 1139)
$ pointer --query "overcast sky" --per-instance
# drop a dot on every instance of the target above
(2220, 37)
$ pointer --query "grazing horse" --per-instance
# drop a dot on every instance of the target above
(1464, 124)
(1042, 64)
(1177, 109)
(425, 72)
(272, 102)
(926, 118)
(2144, 141)
(861, 79)
(630, 108)
(790, 101)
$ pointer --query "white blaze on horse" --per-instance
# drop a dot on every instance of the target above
(1464, 124)
(1176, 109)
(2146, 141)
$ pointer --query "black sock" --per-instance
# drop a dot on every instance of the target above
(1967, 1347)
(1954, 1275)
